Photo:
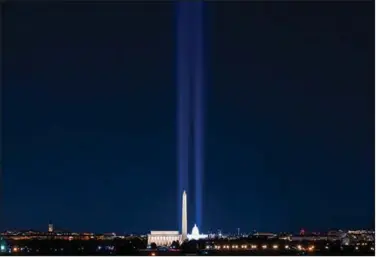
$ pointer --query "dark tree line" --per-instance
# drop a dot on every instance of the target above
(79, 247)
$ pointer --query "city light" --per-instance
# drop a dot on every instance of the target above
(230, 243)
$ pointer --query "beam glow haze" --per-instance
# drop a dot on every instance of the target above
(183, 99)
(198, 80)
(190, 84)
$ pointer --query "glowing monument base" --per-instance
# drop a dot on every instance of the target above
(195, 235)
(163, 238)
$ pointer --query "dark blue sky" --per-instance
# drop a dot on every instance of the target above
(89, 101)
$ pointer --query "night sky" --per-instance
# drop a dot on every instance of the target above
(89, 113)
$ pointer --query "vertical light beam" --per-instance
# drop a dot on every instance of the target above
(190, 96)
(198, 87)
(183, 99)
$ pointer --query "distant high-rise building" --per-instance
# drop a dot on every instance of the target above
(50, 227)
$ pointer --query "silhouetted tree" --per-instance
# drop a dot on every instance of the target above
(190, 246)
(175, 245)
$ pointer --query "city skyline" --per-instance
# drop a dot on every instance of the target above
(89, 117)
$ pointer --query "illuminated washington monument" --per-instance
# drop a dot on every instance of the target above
(190, 109)
(184, 220)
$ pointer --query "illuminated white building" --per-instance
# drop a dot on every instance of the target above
(195, 235)
(163, 238)
(50, 227)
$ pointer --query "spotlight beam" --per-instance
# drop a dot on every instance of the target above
(198, 86)
(183, 99)
(190, 98)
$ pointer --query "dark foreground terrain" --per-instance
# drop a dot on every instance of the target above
(138, 246)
